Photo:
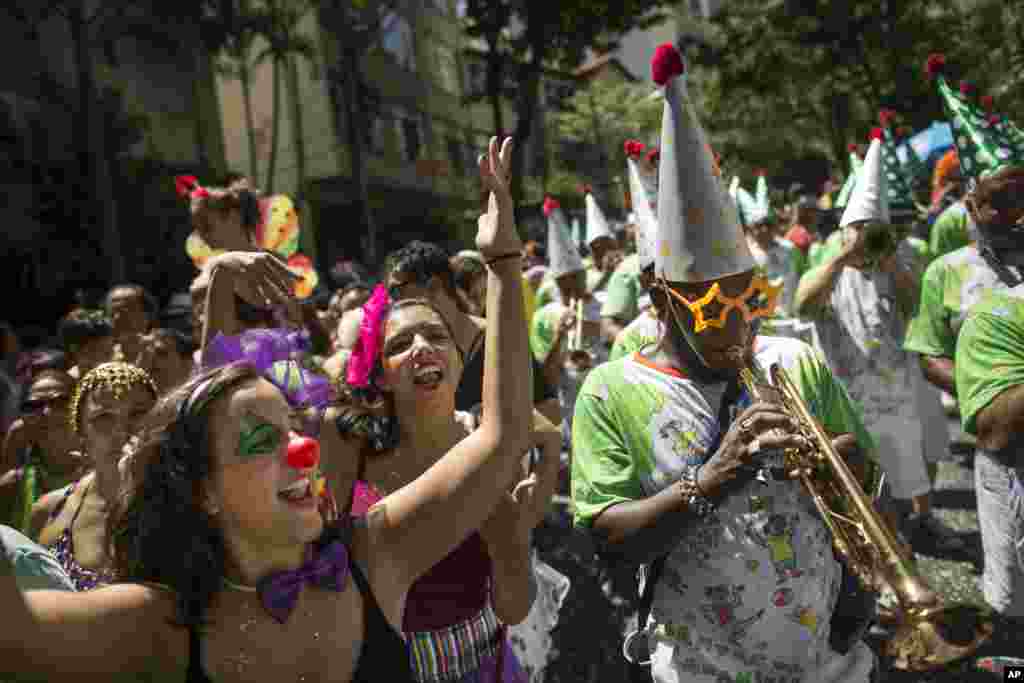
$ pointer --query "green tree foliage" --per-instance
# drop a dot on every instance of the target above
(815, 73)
(601, 115)
(539, 33)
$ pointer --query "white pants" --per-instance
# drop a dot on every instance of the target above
(854, 667)
(1000, 492)
(933, 416)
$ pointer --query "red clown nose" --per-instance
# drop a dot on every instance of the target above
(303, 453)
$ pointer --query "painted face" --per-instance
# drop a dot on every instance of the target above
(421, 362)
(105, 417)
(127, 311)
(261, 497)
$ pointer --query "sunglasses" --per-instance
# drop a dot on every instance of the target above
(36, 406)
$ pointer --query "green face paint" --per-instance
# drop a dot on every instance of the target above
(258, 437)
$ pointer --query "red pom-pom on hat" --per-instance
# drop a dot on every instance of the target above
(586, 188)
(184, 185)
(634, 148)
(935, 65)
(550, 204)
(877, 134)
(760, 172)
(987, 101)
(886, 117)
(852, 147)
(666, 63)
(653, 154)
(994, 119)
(967, 89)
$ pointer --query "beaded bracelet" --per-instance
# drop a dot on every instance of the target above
(504, 257)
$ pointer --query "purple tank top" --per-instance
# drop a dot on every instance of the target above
(455, 589)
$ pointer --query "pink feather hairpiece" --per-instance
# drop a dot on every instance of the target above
(367, 350)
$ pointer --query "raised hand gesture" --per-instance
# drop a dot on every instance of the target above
(496, 234)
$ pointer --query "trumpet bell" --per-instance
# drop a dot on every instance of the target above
(937, 637)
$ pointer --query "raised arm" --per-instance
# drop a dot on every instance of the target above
(259, 278)
(120, 632)
(419, 524)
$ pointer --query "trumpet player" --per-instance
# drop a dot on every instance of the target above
(862, 298)
(564, 334)
(667, 448)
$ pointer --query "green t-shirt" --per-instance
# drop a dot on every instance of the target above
(547, 292)
(623, 291)
(989, 352)
(822, 251)
(644, 330)
(952, 284)
(949, 231)
(636, 425)
(594, 278)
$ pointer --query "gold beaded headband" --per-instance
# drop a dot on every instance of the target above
(117, 377)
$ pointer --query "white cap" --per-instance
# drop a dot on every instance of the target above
(699, 234)
(646, 221)
(869, 200)
(761, 208)
(563, 256)
(597, 224)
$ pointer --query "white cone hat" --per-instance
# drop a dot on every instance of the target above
(734, 185)
(643, 208)
(597, 224)
(563, 256)
(869, 200)
(699, 235)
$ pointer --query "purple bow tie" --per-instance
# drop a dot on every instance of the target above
(327, 569)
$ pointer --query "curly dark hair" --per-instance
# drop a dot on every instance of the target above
(996, 204)
(160, 531)
(423, 260)
(82, 326)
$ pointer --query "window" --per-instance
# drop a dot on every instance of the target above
(397, 40)
(412, 133)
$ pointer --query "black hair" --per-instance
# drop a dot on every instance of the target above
(423, 260)
(82, 326)
(149, 302)
(161, 531)
(344, 273)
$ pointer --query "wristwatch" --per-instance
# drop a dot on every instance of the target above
(696, 501)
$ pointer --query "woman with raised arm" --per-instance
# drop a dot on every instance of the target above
(232, 575)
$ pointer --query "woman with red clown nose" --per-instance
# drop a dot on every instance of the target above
(674, 465)
(228, 570)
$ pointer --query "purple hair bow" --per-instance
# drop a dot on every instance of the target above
(277, 354)
(327, 568)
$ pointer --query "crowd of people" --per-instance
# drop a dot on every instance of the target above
(261, 482)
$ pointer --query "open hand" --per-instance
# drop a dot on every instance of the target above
(496, 233)
(261, 278)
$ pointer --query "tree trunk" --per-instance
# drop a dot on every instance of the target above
(299, 144)
(529, 93)
(245, 79)
(357, 149)
(495, 85)
(275, 124)
(104, 212)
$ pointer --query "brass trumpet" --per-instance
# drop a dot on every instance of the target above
(930, 633)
